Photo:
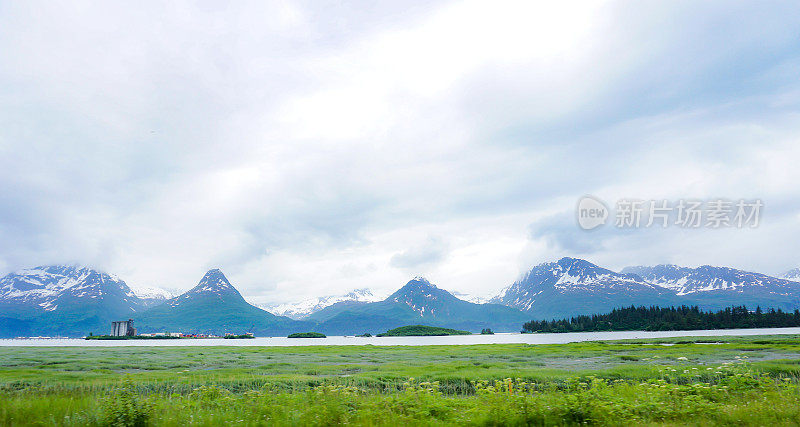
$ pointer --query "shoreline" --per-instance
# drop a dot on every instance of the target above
(475, 339)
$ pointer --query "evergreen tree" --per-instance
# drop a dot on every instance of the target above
(668, 319)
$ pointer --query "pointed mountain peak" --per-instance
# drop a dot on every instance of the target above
(576, 264)
(421, 281)
(572, 267)
(419, 287)
(214, 279)
(213, 284)
(422, 296)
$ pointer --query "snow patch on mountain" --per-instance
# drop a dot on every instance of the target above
(48, 287)
(570, 276)
(706, 278)
(422, 296)
(793, 275)
(213, 284)
(475, 299)
(152, 293)
(303, 309)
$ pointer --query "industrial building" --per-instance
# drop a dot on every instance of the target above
(123, 328)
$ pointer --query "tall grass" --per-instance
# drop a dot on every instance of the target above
(743, 382)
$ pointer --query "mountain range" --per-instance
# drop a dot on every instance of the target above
(418, 302)
(74, 301)
(718, 287)
(571, 286)
(793, 275)
(63, 300)
(214, 306)
(305, 308)
(152, 296)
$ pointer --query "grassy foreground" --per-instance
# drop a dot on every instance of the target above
(724, 381)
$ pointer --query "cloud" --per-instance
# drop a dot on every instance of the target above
(432, 251)
(312, 148)
(562, 234)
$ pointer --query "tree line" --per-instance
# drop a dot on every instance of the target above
(668, 319)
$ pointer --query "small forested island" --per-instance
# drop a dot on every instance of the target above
(238, 337)
(307, 335)
(668, 319)
(421, 331)
(487, 331)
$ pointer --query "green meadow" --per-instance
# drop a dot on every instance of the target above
(699, 381)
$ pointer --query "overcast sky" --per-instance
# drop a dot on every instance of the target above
(312, 148)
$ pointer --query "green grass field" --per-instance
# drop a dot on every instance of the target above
(702, 381)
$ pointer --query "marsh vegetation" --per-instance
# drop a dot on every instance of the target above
(720, 381)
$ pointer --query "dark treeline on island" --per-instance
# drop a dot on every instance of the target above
(307, 335)
(422, 331)
(131, 337)
(668, 319)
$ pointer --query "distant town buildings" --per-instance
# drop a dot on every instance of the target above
(123, 328)
(164, 334)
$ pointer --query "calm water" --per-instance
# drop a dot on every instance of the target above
(448, 340)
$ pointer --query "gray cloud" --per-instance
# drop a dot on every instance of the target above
(562, 234)
(430, 252)
(309, 147)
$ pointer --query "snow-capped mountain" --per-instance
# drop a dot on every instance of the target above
(213, 285)
(418, 302)
(65, 300)
(152, 296)
(685, 280)
(303, 309)
(48, 287)
(793, 275)
(151, 292)
(475, 299)
(214, 306)
(573, 286)
(718, 287)
(422, 296)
